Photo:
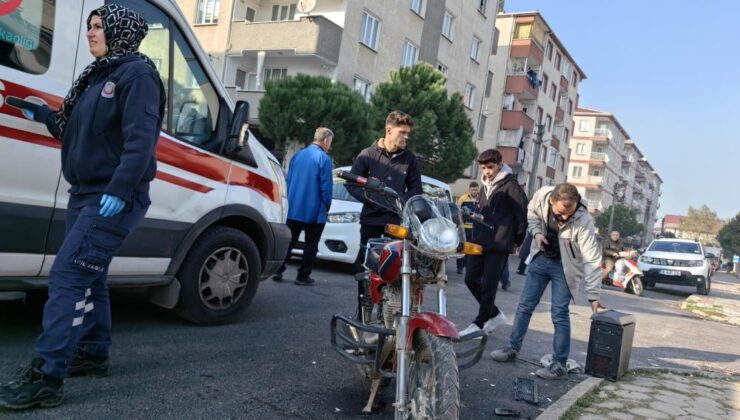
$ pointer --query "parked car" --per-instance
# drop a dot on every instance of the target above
(340, 240)
(677, 261)
(218, 201)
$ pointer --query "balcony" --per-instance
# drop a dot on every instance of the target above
(313, 36)
(559, 113)
(509, 138)
(550, 172)
(595, 206)
(513, 120)
(603, 132)
(598, 156)
(640, 175)
(519, 84)
(528, 49)
(555, 142)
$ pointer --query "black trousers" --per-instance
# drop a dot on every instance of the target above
(366, 232)
(524, 253)
(482, 276)
(311, 248)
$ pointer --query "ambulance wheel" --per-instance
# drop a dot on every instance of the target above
(219, 277)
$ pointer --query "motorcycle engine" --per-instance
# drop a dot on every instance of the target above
(392, 305)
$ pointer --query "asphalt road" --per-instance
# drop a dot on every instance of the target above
(277, 362)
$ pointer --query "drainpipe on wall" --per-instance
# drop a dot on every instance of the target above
(228, 42)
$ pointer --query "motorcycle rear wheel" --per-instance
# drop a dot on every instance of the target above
(434, 383)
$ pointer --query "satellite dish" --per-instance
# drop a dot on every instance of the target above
(306, 6)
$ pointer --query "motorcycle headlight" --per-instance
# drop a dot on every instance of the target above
(646, 259)
(439, 235)
(346, 217)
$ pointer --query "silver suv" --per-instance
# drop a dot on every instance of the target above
(677, 261)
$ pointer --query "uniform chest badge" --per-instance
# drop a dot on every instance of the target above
(109, 90)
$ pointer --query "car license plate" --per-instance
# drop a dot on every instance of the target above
(670, 272)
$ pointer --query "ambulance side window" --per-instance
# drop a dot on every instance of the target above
(195, 102)
(26, 32)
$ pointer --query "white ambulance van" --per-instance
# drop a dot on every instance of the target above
(216, 225)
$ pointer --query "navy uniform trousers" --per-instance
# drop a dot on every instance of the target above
(77, 312)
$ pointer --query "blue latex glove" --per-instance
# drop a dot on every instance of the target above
(111, 205)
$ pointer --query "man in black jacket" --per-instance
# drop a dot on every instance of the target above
(611, 247)
(389, 161)
(503, 205)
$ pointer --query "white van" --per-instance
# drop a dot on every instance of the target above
(216, 223)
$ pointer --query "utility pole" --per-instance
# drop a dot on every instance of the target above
(533, 174)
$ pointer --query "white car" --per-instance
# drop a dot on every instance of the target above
(677, 261)
(340, 240)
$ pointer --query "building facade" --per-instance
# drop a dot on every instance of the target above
(356, 42)
(534, 83)
(671, 223)
(608, 168)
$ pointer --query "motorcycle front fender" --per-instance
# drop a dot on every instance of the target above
(433, 323)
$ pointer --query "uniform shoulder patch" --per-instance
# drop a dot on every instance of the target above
(109, 90)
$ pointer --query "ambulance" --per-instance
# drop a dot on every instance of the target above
(216, 226)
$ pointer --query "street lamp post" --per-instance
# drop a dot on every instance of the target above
(533, 174)
(617, 187)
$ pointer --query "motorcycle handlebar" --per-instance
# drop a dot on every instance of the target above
(370, 183)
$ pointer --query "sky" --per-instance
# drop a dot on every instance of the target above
(670, 72)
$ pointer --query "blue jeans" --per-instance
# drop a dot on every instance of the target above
(78, 310)
(543, 270)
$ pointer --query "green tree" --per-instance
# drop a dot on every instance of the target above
(729, 236)
(443, 134)
(624, 221)
(702, 222)
(294, 107)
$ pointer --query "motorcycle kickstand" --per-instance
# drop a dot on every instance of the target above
(374, 386)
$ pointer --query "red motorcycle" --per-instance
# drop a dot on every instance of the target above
(626, 274)
(390, 337)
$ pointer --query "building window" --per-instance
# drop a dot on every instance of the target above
(570, 107)
(481, 127)
(252, 81)
(249, 16)
(364, 87)
(538, 117)
(545, 81)
(552, 158)
(208, 12)
(544, 154)
(558, 59)
(410, 54)
(442, 68)
(584, 125)
(469, 98)
(489, 82)
(575, 78)
(417, 6)
(523, 31)
(474, 48)
(596, 172)
(566, 134)
(562, 164)
(581, 149)
(241, 78)
(482, 6)
(448, 25)
(549, 50)
(553, 90)
(494, 44)
(283, 12)
(369, 30)
(548, 122)
(577, 172)
(275, 74)
(566, 69)
(538, 184)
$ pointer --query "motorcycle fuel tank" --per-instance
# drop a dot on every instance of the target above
(389, 265)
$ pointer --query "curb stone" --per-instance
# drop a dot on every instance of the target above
(564, 403)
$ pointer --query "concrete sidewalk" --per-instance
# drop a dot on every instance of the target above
(650, 394)
(721, 304)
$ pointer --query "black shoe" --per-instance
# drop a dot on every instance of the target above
(306, 281)
(84, 364)
(277, 277)
(32, 388)
(505, 286)
(521, 273)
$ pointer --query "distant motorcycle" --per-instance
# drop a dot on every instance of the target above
(626, 274)
(390, 337)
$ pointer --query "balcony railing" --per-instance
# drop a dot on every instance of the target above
(603, 132)
(252, 97)
(599, 156)
(513, 120)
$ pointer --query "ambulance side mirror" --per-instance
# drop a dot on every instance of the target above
(238, 129)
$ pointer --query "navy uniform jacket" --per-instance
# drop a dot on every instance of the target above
(110, 139)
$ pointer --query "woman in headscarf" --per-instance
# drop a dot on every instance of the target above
(109, 124)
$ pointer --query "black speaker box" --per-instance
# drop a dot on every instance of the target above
(610, 344)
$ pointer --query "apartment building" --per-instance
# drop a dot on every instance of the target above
(356, 42)
(603, 156)
(533, 83)
(671, 223)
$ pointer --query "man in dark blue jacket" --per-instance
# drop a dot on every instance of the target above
(310, 186)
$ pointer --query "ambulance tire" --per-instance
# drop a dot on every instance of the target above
(214, 246)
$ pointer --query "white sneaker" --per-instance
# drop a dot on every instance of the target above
(469, 330)
(494, 322)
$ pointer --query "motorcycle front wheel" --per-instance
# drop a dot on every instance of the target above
(635, 287)
(434, 384)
